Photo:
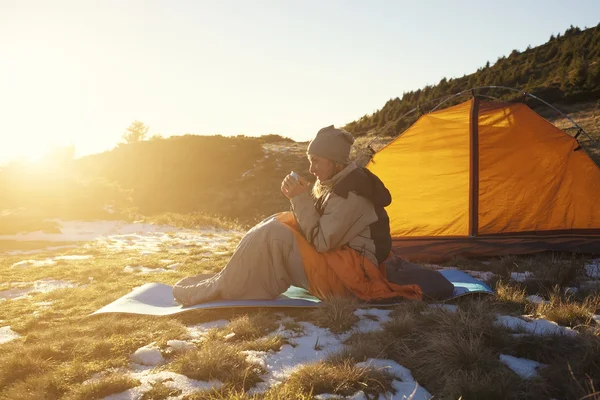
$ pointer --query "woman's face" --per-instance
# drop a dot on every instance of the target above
(322, 168)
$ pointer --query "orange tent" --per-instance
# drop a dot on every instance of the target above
(488, 178)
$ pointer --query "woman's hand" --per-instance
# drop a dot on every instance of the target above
(292, 188)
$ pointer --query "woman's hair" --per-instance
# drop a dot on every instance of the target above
(319, 189)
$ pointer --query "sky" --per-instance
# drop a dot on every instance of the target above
(77, 73)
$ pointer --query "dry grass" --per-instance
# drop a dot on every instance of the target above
(336, 314)
(450, 342)
(49, 387)
(291, 324)
(587, 115)
(552, 269)
(510, 292)
(194, 220)
(251, 327)
(58, 358)
(362, 346)
(343, 379)
(573, 369)
(97, 389)
(281, 392)
(451, 354)
(160, 391)
(511, 296)
(270, 343)
(498, 383)
(220, 361)
(62, 347)
(568, 312)
(548, 268)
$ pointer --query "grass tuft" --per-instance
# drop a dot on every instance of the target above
(251, 326)
(335, 314)
(510, 292)
(17, 368)
(511, 296)
(343, 379)
(97, 389)
(270, 343)
(280, 392)
(160, 391)
(220, 361)
(362, 346)
(497, 384)
(568, 312)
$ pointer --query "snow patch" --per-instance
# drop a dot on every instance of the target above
(311, 347)
(171, 380)
(521, 276)
(390, 367)
(201, 330)
(122, 236)
(41, 286)
(40, 250)
(570, 290)
(14, 293)
(34, 263)
(535, 299)
(7, 334)
(592, 268)
(256, 357)
(49, 261)
(536, 326)
(482, 275)
(147, 355)
(405, 385)
(140, 269)
(371, 320)
(87, 230)
(407, 391)
(73, 257)
(526, 369)
(180, 345)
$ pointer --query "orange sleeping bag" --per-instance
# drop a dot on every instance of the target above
(344, 272)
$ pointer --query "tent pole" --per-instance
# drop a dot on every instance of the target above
(474, 168)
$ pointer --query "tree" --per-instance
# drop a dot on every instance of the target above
(136, 132)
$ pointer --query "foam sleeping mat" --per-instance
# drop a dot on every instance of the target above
(157, 298)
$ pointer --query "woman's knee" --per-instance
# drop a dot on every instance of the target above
(276, 229)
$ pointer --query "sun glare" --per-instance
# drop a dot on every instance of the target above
(27, 153)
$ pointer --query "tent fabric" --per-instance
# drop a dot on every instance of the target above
(488, 170)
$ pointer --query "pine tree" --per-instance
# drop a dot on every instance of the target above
(136, 132)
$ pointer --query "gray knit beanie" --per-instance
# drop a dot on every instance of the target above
(332, 143)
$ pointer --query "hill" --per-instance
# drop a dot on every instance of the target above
(566, 69)
(236, 178)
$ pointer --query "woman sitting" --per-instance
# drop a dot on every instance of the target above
(331, 244)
